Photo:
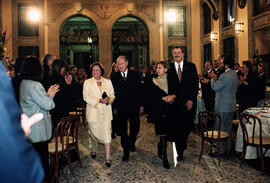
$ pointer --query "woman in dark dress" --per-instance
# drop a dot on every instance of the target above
(159, 104)
(246, 87)
(63, 98)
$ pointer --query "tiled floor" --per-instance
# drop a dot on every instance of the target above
(145, 165)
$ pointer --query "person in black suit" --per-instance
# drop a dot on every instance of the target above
(183, 82)
(128, 104)
(208, 94)
(260, 85)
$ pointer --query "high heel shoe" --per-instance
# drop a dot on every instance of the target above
(108, 163)
(93, 155)
(159, 152)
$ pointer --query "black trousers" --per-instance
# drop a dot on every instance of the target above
(128, 139)
(182, 126)
(42, 150)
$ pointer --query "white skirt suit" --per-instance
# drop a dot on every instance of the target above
(98, 115)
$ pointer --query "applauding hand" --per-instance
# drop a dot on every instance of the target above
(53, 90)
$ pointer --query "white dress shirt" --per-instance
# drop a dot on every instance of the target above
(126, 72)
(176, 66)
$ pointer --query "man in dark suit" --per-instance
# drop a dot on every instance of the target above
(208, 94)
(128, 104)
(183, 83)
(260, 85)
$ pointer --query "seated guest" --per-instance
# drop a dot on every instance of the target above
(260, 83)
(246, 87)
(34, 99)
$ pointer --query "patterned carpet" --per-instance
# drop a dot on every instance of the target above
(145, 165)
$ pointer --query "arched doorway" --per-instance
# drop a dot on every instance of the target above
(130, 37)
(79, 41)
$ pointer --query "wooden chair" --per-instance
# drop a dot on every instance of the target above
(74, 137)
(254, 138)
(58, 145)
(210, 124)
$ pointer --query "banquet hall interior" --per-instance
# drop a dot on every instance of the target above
(82, 32)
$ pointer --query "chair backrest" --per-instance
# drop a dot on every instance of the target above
(209, 121)
(74, 132)
(256, 126)
(62, 132)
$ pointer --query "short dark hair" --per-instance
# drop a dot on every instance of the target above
(18, 64)
(57, 65)
(47, 57)
(237, 64)
(228, 61)
(100, 66)
(178, 47)
(248, 64)
(32, 69)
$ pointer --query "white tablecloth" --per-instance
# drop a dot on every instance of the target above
(251, 151)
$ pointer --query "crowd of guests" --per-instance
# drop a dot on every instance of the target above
(167, 93)
(225, 84)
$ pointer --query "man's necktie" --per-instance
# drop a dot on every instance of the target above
(124, 76)
(179, 73)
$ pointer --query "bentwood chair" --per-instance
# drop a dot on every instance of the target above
(210, 124)
(58, 147)
(73, 142)
(253, 137)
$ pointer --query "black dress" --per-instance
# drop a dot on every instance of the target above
(158, 109)
(246, 94)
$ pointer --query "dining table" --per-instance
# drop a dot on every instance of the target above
(264, 115)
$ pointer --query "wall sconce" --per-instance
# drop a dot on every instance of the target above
(239, 27)
(213, 36)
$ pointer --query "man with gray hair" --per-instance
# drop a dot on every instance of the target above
(128, 104)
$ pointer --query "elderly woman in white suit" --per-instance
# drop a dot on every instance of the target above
(98, 93)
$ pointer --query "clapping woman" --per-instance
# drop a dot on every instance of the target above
(34, 99)
(98, 93)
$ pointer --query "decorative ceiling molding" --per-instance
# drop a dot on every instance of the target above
(104, 11)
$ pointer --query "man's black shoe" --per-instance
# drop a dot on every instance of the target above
(133, 148)
(125, 158)
(180, 157)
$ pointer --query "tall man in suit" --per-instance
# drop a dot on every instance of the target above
(225, 102)
(183, 83)
(128, 104)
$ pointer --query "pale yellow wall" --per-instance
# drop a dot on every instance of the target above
(243, 40)
(195, 35)
(7, 25)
